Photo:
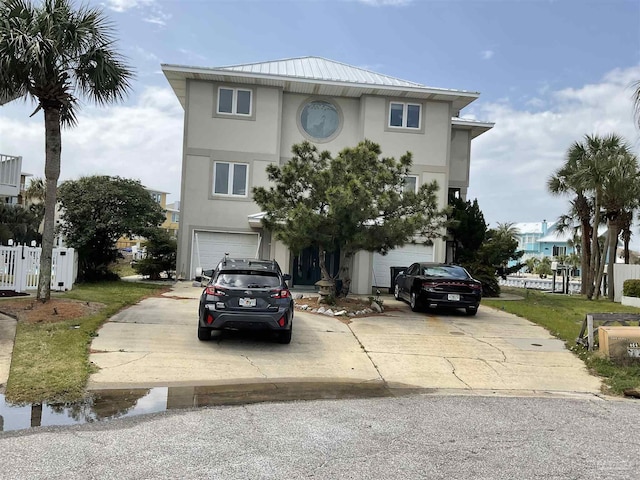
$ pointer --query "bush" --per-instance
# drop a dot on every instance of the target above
(161, 256)
(631, 288)
(486, 275)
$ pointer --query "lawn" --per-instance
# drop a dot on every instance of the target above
(51, 356)
(563, 315)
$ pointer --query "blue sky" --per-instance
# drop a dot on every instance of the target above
(549, 72)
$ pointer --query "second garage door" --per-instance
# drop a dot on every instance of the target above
(210, 247)
(399, 257)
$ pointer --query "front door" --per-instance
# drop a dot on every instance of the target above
(306, 266)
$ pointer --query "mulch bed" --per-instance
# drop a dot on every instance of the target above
(55, 310)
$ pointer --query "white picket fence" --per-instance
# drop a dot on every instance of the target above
(19, 268)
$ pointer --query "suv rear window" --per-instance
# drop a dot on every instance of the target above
(238, 279)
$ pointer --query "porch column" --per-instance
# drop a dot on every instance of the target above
(361, 273)
(281, 253)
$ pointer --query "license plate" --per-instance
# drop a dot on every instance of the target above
(247, 302)
(453, 297)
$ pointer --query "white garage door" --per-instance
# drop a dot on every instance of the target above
(209, 248)
(399, 257)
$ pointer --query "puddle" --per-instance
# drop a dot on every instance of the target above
(104, 405)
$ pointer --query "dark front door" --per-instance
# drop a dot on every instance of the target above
(306, 266)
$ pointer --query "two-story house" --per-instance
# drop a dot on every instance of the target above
(239, 119)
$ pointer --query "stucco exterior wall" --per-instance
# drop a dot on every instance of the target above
(460, 155)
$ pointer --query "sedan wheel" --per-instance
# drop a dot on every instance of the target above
(471, 310)
(414, 302)
(396, 292)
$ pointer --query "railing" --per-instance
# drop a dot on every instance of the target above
(538, 284)
(19, 268)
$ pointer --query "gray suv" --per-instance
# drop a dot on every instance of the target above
(246, 294)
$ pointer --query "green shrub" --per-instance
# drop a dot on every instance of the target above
(631, 288)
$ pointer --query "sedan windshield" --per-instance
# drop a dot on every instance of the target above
(444, 271)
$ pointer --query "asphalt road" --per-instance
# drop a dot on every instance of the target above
(420, 436)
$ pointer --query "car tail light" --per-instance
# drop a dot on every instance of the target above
(429, 284)
(215, 290)
(209, 319)
(280, 293)
(476, 286)
(281, 322)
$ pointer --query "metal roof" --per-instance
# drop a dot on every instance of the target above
(318, 68)
(314, 76)
(477, 127)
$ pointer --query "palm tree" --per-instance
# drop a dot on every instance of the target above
(599, 156)
(49, 53)
(34, 198)
(562, 182)
(620, 196)
(508, 230)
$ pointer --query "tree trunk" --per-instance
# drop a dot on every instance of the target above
(585, 256)
(613, 250)
(345, 272)
(322, 263)
(600, 267)
(594, 267)
(53, 148)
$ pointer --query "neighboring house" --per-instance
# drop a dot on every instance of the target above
(541, 239)
(239, 119)
(10, 178)
(170, 223)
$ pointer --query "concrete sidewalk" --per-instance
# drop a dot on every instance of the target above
(154, 343)
(7, 336)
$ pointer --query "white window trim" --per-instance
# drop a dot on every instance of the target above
(232, 167)
(234, 102)
(417, 177)
(404, 115)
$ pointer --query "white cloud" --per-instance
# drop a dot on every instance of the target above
(511, 163)
(487, 54)
(142, 141)
(124, 5)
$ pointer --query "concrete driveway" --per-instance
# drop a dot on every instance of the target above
(154, 343)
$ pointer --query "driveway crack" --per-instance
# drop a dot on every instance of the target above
(126, 363)
(384, 381)
(255, 366)
(455, 374)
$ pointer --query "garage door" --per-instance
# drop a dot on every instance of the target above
(209, 247)
(399, 257)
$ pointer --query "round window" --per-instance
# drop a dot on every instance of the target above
(320, 119)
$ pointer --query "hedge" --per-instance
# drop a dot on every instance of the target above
(631, 288)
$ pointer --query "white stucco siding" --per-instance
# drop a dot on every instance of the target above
(399, 257)
(206, 131)
(429, 145)
(460, 155)
(209, 248)
(350, 133)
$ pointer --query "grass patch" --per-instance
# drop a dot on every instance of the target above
(563, 315)
(50, 361)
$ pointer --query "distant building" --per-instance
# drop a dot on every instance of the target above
(542, 239)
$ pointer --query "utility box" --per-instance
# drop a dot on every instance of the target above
(619, 342)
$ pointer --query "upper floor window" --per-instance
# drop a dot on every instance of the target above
(234, 101)
(157, 197)
(230, 179)
(405, 115)
(175, 217)
(410, 183)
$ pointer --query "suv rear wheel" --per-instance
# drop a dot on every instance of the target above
(285, 337)
(204, 334)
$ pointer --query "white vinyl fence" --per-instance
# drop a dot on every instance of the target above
(19, 268)
(539, 284)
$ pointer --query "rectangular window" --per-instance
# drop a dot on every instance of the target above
(405, 115)
(234, 101)
(175, 217)
(230, 179)
(559, 251)
(410, 183)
